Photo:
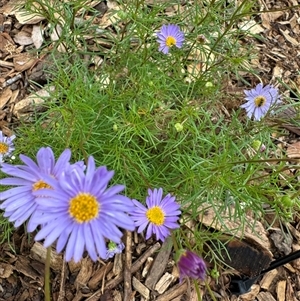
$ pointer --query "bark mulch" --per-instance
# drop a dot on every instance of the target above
(146, 270)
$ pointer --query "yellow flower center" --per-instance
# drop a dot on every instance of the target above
(40, 185)
(170, 41)
(156, 216)
(3, 148)
(84, 207)
(259, 101)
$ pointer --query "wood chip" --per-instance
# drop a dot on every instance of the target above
(23, 38)
(282, 241)
(10, 7)
(6, 270)
(74, 267)
(38, 252)
(268, 279)
(127, 265)
(289, 267)
(85, 272)
(118, 264)
(147, 267)
(141, 288)
(163, 284)
(25, 266)
(99, 274)
(290, 294)
(280, 290)
(175, 291)
(255, 288)
(12, 80)
(159, 264)
(265, 296)
(37, 36)
(6, 64)
(14, 96)
(293, 41)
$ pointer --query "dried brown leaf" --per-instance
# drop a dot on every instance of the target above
(23, 61)
(293, 150)
(27, 104)
(5, 97)
(270, 17)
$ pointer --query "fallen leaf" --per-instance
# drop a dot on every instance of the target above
(5, 97)
(31, 101)
(270, 17)
(23, 61)
(293, 151)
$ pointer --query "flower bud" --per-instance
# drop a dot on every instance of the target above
(178, 127)
(191, 265)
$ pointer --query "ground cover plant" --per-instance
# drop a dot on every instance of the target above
(140, 106)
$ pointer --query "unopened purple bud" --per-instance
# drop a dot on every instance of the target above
(191, 265)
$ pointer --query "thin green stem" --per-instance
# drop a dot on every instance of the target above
(210, 291)
(174, 242)
(197, 290)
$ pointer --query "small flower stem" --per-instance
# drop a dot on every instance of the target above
(174, 242)
(210, 291)
(47, 275)
(197, 290)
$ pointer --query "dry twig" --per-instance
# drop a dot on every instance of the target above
(127, 268)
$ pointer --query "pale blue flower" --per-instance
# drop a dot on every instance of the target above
(20, 202)
(113, 249)
(80, 212)
(6, 146)
(161, 214)
(260, 100)
(169, 35)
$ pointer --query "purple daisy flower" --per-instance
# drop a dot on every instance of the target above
(114, 248)
(259, 100)
(19, 202)
(6, 146)
(80, 212)
(161, 214)
(169, 35)
(191, 265)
